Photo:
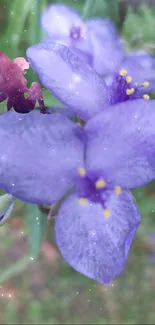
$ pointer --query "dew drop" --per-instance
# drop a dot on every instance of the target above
(93, 233)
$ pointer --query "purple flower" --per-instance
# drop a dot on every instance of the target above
(13, 85)
(76, 84)
(43, 156)
(95, 41)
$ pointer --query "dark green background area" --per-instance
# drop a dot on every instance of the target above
(48, 291)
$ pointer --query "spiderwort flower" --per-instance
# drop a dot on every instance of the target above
(95, 41)
(76, 84)
(13, 85)
(43, 156)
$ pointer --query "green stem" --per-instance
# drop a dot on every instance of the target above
(15, 269)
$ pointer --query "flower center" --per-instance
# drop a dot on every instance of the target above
(92, 188)
(76, 33)
(124, 89)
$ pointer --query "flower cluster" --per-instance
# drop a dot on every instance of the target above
(44, 158)
(89, 166)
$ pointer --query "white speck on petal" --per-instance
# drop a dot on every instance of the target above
(76, 78)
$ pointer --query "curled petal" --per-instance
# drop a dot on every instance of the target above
(65, 26)
(106, 46)
(39, 155)
(120, 143)
(58, 19)
(95, 245)
(69, 79)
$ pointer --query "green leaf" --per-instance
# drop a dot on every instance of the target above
(18, 12)
(101, 8)
(36, 222)
(7, 202)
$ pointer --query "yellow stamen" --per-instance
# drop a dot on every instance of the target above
(130, 91)
(100, 183)
(118, 190)
(147, 97)
(83, 201)
(128, 79)
(82, 171)
(123, 72)
(145, 83)
(106, 213)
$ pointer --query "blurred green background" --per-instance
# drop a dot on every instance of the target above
(48, 291)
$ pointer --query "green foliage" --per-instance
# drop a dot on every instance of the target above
(101, 8)
(36, 223)
(138, 28)
(17, 15)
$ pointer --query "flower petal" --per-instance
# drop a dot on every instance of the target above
(107, 49)
(7, 203)
(141, 66)
(58, 19)
(94, 245)
(39, 155)
(68, 78)
(121, 143)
